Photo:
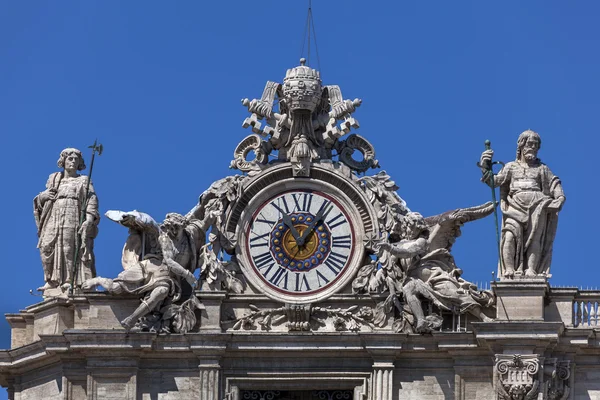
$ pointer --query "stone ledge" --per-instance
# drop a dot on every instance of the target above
(531, 335)
(501, 329)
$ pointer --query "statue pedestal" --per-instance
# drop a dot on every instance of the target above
(211, 315)
(54, 316)
(520, 300)
(51, 317)
(101, 310)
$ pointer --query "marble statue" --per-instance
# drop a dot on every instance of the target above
(416, 263)
(68, 198)
(531, 197)
(424, 268)
(155, 258)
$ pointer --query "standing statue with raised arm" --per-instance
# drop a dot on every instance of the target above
(58, 211)
(530, 198)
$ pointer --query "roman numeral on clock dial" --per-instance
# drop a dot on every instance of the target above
(260, 240)
(279, 263)
(343, 241)
(302, 201)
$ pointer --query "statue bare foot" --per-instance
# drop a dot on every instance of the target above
(47, 285)
(530, 272)
(65, 286)
(509, 273)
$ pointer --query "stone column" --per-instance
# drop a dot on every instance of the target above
(210, 379)
(382, 381)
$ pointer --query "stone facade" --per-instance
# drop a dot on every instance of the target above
(76, 349)
(314, 281)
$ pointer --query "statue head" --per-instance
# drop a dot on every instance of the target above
(411, 226)
(173, 224)
(68, 154)
(528, 144)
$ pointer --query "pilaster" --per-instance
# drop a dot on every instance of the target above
(210, 379)
(382, 381)
(112, 378)
(74, 379)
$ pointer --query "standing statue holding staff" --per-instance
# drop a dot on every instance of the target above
(530, 198)
(66, 215)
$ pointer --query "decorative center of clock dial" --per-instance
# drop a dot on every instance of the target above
(294, 257)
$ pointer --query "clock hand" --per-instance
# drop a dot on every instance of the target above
(320, 215)
(288, 221)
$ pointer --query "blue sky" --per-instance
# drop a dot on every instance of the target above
(160, 83)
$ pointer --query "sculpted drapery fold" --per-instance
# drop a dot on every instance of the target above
(57, 212)
(530, 198)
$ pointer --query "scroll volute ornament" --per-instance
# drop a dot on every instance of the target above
(517, 377)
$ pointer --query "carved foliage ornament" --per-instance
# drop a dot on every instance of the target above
(299, 317)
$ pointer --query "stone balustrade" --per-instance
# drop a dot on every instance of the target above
(586, 309)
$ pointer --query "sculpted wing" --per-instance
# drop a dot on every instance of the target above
(445, 228)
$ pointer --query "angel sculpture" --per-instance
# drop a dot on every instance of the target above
(416, 264)
(154, 259)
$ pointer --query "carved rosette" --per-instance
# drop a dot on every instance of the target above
(517, 377)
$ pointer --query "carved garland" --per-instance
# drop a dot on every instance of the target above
(299, 317)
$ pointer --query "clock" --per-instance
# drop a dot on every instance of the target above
(300, 240)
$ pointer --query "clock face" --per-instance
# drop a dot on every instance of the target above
(300, 242)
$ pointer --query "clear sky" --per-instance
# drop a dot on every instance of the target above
(160, 83)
